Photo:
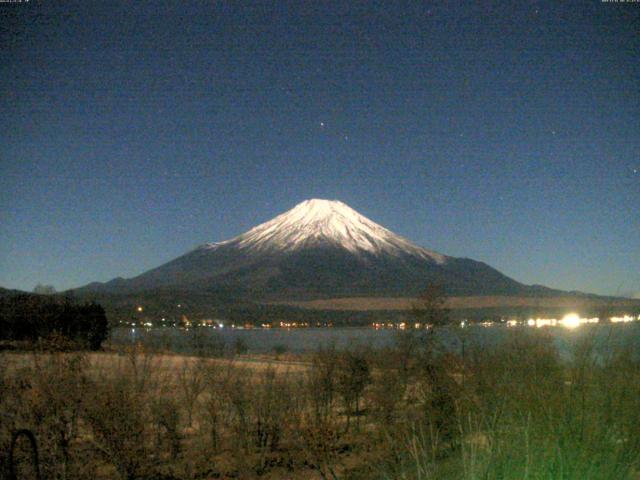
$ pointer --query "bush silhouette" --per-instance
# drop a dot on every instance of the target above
(33, 317)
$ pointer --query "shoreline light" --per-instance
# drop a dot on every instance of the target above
(571, 320)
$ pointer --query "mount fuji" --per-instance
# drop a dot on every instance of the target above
(318, 249)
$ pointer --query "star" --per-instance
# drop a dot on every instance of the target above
(322, 124)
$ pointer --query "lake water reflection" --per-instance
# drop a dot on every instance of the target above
(300, 340)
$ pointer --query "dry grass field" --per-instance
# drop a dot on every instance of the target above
(410, 411)
(164, 363)
(406, 303)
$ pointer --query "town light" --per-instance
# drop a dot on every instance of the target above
(571, 320)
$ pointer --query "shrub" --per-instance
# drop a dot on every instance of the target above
(117, 417)
(280, 349)
(191, 380)
(118, 410)
(353, 376)
(322, 381)
(240, 346)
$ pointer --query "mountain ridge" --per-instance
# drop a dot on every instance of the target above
(318, 249)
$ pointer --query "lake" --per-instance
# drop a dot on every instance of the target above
(301, 340)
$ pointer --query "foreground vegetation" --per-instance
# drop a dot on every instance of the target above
(411, 411)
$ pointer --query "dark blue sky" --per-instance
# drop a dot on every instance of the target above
(507, 132)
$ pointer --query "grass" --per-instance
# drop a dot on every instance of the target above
(470, 302)
(517, 411)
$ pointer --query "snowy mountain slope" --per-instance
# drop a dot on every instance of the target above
(318, 249)
(316, 222)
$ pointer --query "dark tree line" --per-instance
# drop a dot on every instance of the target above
(34, 317)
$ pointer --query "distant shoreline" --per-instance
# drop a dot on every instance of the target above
(495, 301)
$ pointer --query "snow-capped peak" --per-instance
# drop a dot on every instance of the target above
(319, 222)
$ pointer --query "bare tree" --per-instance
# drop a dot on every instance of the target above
(430, 307)
(353, 376)
(191, 379)
(322, 381)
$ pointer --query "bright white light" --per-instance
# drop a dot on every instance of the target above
(571, 320)
(545, 322)
(623, 319)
